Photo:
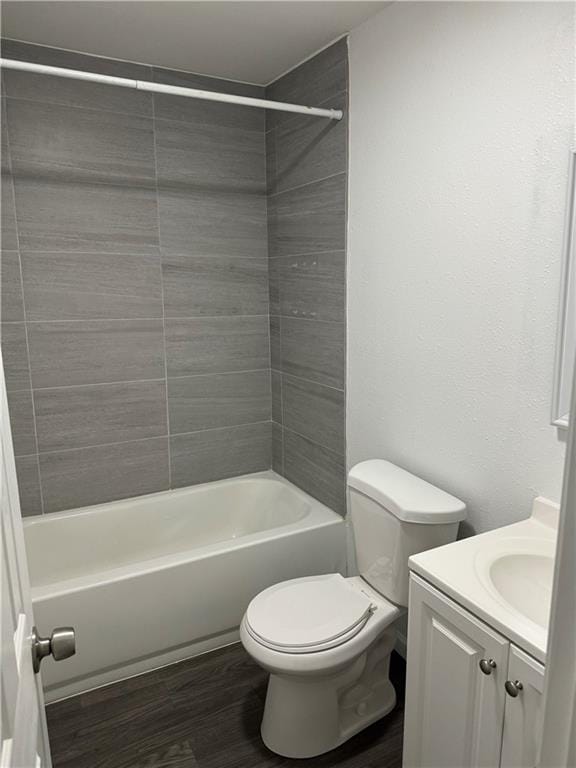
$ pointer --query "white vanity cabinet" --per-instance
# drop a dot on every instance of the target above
(458, 711)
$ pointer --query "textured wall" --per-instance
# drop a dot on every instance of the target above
(134, 284)
(307, 189)
(461, 123)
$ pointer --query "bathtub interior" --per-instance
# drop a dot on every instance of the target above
(100, 538)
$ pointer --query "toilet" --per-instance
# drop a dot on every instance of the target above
(326, 640)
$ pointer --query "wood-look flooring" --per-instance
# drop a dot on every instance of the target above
(201, 713)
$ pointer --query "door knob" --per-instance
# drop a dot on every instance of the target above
(513, 688)
(60, 645)
(487, 665)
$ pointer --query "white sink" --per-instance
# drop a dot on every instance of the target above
(524, 581)
(503, 576)
(518, 572)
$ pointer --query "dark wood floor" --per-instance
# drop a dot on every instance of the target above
(202, 713)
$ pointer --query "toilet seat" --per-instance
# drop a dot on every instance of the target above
(308, 615)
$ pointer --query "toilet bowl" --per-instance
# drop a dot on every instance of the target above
(326, 640)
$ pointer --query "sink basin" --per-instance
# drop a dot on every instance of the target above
(504, 576)
(524, 581)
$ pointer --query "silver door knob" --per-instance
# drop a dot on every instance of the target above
(487, 665)
(513, 688)
(60, 645)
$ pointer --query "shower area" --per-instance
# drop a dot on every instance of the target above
(173, 316)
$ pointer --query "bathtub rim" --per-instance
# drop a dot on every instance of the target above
(318, 516)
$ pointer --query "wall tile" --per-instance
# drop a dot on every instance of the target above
(11, 298)
(75, 93)
(105, 146)
(214, 157)
(77, 417)
(8, 218)
(208, 222)
(4, 154)
(308, 219)
(91, 352)
(275, 343)
(308, 149)
(83, 286)
(218, 400)
(60, 211)
(207, 112)
(276, 381)
(216, 345)
(78, 478)
(271, 162)
(314, 411)
(214, 285)
(316, 470)
(274, 285)
(313, 286)
(277, 448)
(22, 422)
(15, 356)
(314, 82)
(29, 485)
(314, 351)
(201, 457)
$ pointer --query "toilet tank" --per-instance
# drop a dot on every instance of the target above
(394, 515)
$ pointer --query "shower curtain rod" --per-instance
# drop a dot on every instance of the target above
(173, 90)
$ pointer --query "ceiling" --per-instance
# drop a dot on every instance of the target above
(250, 41)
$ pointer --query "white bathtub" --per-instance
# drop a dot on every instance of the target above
(160, 578)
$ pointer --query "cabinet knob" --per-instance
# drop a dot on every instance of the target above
(513, 688)
(487, 665)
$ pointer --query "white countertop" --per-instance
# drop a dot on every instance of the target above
(466, 571)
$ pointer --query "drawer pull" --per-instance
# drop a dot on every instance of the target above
(513, 688)
(487, 665)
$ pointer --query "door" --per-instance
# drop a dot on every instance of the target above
(24, 736)
(524, 711)
(455, 685)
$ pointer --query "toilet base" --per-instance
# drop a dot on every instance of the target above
(308, 715)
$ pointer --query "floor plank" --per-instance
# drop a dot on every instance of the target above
(200, 713)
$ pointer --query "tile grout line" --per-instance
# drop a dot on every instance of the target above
(136, 319)
(121, 382)
(165, 436)
(154, 142)
(308, 381)
(302, 255)
(317, 444)
(136, 115)
(307, 184)
(40, 489)
(134, 254)
(268, 281)
(139, 115)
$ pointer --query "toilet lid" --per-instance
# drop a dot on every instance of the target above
(309, 614)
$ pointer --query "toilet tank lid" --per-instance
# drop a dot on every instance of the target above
(406, 496)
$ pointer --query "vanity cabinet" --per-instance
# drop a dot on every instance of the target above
(464, 708)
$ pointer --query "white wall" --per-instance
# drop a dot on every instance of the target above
(461, 123)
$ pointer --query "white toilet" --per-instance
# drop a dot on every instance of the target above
(326, 640)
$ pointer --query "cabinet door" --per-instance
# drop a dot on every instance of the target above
(524, 712)
(454, 711)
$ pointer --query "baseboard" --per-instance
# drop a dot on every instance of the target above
(117, 674)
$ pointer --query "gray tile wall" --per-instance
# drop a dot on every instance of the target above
(135, 284)
(307, 185)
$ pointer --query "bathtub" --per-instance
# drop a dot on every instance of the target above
(156, 579)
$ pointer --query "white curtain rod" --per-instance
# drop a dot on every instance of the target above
(173, 90)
